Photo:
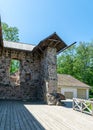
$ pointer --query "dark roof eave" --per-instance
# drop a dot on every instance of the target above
(66, 47)
(45, 43)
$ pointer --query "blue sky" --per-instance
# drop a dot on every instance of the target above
(37, 19)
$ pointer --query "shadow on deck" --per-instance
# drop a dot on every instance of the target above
(18, 115)
(15, 116)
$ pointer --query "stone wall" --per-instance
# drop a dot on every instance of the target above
(48, 72)
(29, 75)
(37, 75)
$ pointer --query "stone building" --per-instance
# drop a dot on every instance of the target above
(37, 75)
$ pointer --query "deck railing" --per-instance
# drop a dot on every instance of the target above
(81, 105)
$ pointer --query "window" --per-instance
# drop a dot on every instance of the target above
(28, 76)
(14, 66)
(15, 72)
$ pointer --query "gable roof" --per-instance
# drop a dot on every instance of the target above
(51, 41)
(69, 81)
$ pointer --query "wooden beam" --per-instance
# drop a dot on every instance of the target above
(66, 47)
(57, 43)
(50, 43)
(53, 40)
(41, 50)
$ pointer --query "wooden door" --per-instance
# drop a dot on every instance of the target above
(68, 95)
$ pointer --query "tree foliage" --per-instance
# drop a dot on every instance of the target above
(78, 62)
(14, 66)
(10, 33)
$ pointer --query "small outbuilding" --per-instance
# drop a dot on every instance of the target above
(70, 87)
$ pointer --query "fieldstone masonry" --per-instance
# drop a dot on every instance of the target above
(37, 75)
(41, 71)
(48, 71)
(29, 65)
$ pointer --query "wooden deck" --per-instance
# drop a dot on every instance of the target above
(16, 115)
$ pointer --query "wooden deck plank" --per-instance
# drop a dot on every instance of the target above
(15, 115)
(16, 121)
(31, 121)
(26, 119)
(8, 116)
(1, 112)
(18, 111)
(66, 118)
(4, 115)
(48, 119)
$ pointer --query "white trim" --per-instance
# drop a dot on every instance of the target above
(67, 89)
(18, 45)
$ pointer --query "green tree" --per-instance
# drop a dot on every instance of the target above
(83, 62)
(15, 66)
(10, 33)
(78, 62)
(65, 61)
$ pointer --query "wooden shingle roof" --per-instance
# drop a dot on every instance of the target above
(51, 41)
(69, 81)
